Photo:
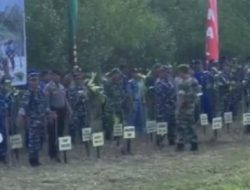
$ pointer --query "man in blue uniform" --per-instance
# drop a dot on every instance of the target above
(205, 79)
(150, 94)
(34, 106)
(3, 118)
(165, 93)
(136, 90)
(78, 99)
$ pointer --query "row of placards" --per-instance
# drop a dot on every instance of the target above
(127, 132)
(228, 119)
(65, 143)
(151, 127)
(97, 139)
(217, 122)
(160, 128)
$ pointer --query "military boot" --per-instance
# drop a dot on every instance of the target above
(194, 147)
(180, 147)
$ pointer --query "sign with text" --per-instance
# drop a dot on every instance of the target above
(16, 141)
(65, 143)
(228, 117)
(162, 128)
(204, 119)
(86, 134)
(98, 139)
(118, 130)
(217, 123)
(151, 127)
(246, 119)
(129, 132)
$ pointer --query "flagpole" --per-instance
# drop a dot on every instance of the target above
(73, 18)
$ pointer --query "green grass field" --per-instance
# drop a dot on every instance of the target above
(224, 165)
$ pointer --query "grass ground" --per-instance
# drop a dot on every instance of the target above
(224, 165)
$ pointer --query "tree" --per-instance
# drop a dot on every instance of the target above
(141, 32)
(46, 35)
(113, 29)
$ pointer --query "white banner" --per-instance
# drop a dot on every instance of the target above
(13, 57)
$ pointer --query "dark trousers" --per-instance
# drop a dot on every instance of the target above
(55, 130)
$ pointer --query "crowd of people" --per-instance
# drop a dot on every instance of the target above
(127, 96)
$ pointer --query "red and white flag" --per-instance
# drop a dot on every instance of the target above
(212, 32)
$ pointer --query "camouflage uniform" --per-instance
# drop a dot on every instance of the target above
(165, 94)
(246, 83)
(188, 92)
(223, 92)
(237, 89)
(78, 98)
(246, 96)
(150, 92)
(8, 111)
(150, 96)
(3, 115)
(34, 105)
(114, 104)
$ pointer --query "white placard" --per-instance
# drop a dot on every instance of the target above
(204, 119)
(246, 119)
(65, 143)
(129, 132)
(16, 141)
(162, 128)
(98, 139)
(228, 117)
(151, 127)
(1, 138)
(86, 134)
(217, 123)
(118, 130)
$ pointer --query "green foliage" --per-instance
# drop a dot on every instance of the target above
(113, 29)
(139, 32)
(46, 35)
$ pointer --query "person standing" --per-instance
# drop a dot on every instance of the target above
(4, 104)
(56, 94)
(165, 93)
(150, 93)
(115, 99)
(224, 89)
(188, 95)
(205, 79)
(136, 92)
(78, 99)
(34, 107)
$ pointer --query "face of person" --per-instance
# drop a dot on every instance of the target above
(198, 67)
(185, 75)
(56, 78)
(226, 68)
(78, 80)
(156, 72)
(34, 83)
(135, 75)
(163, 74)
(47, 77)
(116, 77)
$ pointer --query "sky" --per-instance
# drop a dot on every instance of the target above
(5, 3)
